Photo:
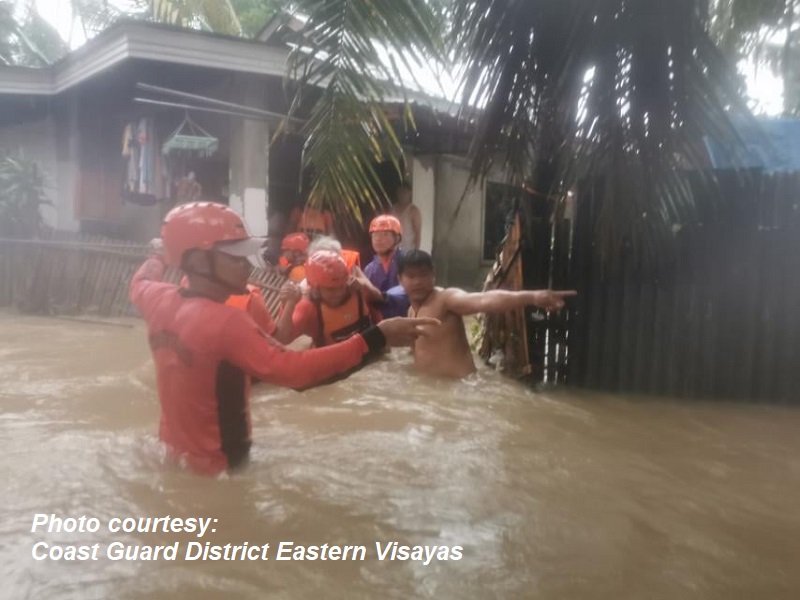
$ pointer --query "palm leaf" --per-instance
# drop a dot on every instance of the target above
(97, 15)
(620, 90)
(29, 42)
(214, 15)
(351, 48)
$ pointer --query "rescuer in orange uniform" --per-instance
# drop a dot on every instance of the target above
(205, 353)
(294, 253)
(336, 306)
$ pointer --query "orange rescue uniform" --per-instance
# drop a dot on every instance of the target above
(327, 325)
(312, 221)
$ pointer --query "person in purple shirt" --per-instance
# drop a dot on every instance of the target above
(385, 232)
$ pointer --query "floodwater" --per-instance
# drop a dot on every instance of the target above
(551, 495)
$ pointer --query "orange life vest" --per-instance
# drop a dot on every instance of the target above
(338, 324)
(295, 273)
(253, 304)
(352, 258)
(240, 301)
(314, 221)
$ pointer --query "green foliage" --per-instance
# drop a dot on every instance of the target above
(736, 25)
(22, 186)
(611, 89)
(254, 14)
(749, 29)
(352, 48)
(28, 40)
(212, 15)
(97, 15)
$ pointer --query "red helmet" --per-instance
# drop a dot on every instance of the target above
(295, 241)
(201, 225)
(386, 223)
(326, 268)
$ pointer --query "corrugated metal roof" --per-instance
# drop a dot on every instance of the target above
(775, 148)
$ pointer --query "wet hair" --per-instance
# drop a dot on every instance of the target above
(414, 258)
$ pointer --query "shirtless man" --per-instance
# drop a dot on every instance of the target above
(447, 354)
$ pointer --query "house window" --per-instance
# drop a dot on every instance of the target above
(498, 207)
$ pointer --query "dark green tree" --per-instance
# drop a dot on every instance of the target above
(605, 88)
(22, 194)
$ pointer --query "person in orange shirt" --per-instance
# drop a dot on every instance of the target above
(312, 221)
(294, 249)
(335, 309)
(254, 305)
(206, 354)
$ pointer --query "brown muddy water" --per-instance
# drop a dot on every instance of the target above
(550, 495)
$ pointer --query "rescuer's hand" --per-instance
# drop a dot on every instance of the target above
(290, 294)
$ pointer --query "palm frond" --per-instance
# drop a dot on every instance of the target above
(351, 48)
(43, 36)
(97, 15)
(27, 40)
(214, 15)
(737, 26)
(600, 88)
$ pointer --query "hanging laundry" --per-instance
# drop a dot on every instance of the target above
(144, 172)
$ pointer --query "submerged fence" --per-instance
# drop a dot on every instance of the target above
(71, 274)
(717, 318)
(720, 320)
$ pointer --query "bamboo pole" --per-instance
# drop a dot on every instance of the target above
(89, 295)
(87, 265)
(121, 304)
(5, 279)
(107, 284)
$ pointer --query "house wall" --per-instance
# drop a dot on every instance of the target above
(51, 145)
(249, 159)
(457, 247)
(423, 174)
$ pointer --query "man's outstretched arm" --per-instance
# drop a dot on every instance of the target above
(495, 301)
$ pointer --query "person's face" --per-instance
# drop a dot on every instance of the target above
(383, 242)
(233, 270)
(333, 296)
(404, 197)
(294, 257)
(418, 282)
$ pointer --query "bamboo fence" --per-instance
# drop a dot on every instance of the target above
(72, 275)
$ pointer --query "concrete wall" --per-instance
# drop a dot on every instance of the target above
(457, 244)
(249, 158)
(423, 174)
(51, 146)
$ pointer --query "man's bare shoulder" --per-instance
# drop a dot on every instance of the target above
(437, 295)
(447, 293)
(444, 296)
(432, 304)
